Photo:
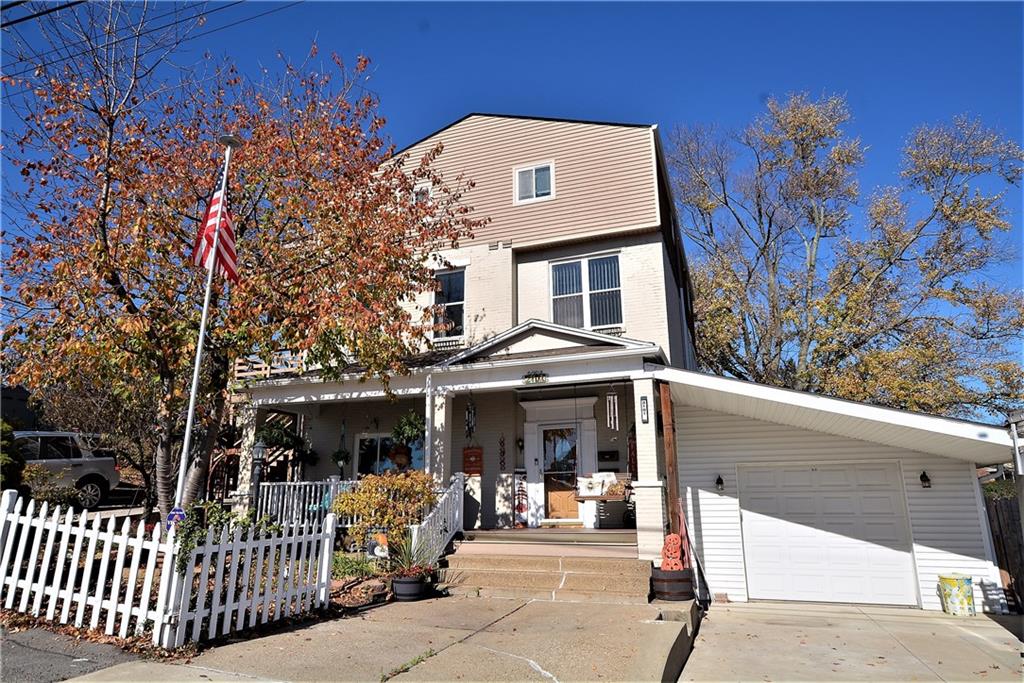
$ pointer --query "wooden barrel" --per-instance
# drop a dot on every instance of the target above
(672, 585)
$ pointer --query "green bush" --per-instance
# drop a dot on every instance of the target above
(353, 564)
(45, 489)
(1000, 488)
(12, 460)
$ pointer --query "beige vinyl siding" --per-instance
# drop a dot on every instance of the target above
(604, 179)
(949, 532)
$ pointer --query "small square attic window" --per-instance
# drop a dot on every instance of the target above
(533, 183)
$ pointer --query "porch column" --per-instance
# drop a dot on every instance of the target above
(246, 421)
(438, 456)
(648, 489)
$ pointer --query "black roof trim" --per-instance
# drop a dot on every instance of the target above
(524, 118)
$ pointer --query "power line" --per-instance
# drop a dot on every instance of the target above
(41, 13)
(199, 35)
(124, 38)
(40, 55)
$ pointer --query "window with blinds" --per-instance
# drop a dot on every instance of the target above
(587, 293)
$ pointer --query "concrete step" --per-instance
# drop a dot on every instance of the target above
(546, 580)
(553, 535)
(548, 549)
(577, 565)
(609, 597)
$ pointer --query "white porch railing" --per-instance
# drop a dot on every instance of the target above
(297, 502)
(443, 522)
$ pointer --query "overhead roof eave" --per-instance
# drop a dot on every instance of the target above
(973, 442)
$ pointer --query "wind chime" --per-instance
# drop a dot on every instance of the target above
(611, 402)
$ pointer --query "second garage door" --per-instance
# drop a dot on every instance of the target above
(826, 532)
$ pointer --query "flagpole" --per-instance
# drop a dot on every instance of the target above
(229, 142)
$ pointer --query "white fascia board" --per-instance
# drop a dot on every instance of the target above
(956, 432)
(614, 364)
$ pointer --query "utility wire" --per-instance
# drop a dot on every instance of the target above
(41, 13)
(124, 38)
(199, 35)
(40, 55)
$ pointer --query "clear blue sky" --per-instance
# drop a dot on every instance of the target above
(899, 65)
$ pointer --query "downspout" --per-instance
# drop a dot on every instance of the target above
(1018, 461)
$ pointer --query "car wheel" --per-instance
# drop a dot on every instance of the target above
(90, 493)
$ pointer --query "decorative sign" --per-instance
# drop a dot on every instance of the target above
(472, 461)
(174, 516)
(535, 377)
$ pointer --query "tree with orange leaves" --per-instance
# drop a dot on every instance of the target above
(117, 165)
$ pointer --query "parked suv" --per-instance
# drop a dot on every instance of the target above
(76, 462)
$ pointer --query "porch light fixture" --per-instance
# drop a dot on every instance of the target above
(926, 481)
(719, 483)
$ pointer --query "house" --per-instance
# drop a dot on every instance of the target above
(570, 352)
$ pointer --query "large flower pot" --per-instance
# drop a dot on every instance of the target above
(408, 589)
(676, 584)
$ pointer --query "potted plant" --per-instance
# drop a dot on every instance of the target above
(341, 458)
(411, 566)
(410, 430)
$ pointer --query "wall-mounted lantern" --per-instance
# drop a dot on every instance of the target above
(719, 483)
(926, 481)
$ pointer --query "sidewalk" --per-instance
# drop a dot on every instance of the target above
(445, 639)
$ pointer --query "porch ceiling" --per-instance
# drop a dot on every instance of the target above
(958, 439)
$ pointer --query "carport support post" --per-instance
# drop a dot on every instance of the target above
(648, 487)
(668, 421)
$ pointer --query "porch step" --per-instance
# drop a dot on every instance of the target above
(557, 536)
(574, 579)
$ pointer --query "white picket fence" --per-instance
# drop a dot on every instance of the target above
(61, 569)
(444, 521)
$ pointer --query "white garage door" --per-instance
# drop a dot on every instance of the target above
(826, 532)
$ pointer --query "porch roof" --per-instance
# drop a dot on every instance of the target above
(959, 439)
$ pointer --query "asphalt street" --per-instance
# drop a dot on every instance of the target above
(37, 655)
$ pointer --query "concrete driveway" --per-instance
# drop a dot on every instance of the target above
(802, 642)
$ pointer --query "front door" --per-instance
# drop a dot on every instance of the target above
(559, 444)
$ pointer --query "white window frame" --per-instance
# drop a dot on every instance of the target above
(516, 201)
(452, 337)
(585, 290)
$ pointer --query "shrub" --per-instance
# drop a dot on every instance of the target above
(387, 502)
(353, 564)
(12, 460)
(1000, 488)
(43, 484)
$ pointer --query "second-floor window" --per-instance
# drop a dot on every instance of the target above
(534, 182)
(452, 296)
(586, 293)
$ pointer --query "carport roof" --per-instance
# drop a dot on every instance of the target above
(960, 439)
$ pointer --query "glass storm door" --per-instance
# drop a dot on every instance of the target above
(560, 458)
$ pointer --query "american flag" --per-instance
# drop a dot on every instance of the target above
(226, 261)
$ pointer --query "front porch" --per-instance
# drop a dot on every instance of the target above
(569, 439)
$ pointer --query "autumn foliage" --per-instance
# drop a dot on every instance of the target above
(116, 173)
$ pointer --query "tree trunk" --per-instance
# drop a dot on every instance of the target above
(165, 475)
